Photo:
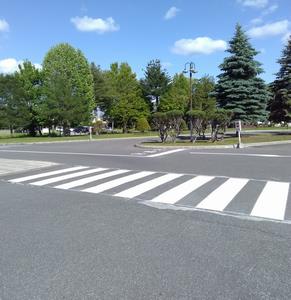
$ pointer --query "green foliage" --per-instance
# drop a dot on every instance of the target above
(174, 118)
(68, 87)
(238, 88)
(220, 120)
(142, 124)
(203, 98)
(183, 125)
(13, 109)
(156, 81)
(127, 103)
(177, 96)
(160, 121)
(30, 79)
(280, 105)
(97, 127)
(101, 82)
(168, 124)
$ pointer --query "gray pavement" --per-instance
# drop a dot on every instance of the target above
(70, 244)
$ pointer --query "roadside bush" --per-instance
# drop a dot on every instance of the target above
(97, 127)
(142, 125)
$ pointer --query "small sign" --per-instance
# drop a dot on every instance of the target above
(237, 125)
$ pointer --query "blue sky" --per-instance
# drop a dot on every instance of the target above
(137, 31)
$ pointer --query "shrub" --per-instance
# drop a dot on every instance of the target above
(142, 125)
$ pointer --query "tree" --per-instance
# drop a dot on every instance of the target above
(142, 124)
(30, 80)
(174, 119)
(101, 88)
(205, 102)
(127, 103)
(238, 88)
(280, 105)
(155, 83)
(177, 96)
(13, 111)
(168, 124)
(160, 122)
(197, 117)
(220, 120)
(68, 86)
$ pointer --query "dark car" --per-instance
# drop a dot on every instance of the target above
(81, 130)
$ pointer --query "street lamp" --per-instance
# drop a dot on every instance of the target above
(190, 68)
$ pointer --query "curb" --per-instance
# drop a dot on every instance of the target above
(218, 146)
(74, 141)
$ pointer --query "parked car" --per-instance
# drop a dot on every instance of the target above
(81, 130)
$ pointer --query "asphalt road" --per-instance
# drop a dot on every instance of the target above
(70, 244)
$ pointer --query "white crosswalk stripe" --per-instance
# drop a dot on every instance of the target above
(179, 192)
(117, 182)
(147, 186)
(222, 196)
(46, 174)
(270, 202)
(64, 177)
(90, 179)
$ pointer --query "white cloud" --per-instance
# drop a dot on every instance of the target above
(4, 26)
(270, 10)
(256, 21)
(98, 25)
(10, 65)
(200, 45)
(271, 29)
(171, 13)
(254, 3)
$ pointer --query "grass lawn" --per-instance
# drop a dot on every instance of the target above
(227, 141)
(21, 138)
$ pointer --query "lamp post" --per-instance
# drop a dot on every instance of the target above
(190, 68)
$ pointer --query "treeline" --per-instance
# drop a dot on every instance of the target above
(68, 88)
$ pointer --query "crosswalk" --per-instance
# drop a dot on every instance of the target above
(254, 198)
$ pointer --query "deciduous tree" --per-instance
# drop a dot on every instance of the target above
(68, 86)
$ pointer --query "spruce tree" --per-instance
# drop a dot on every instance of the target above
(239, 88)
(155, 82)
(280, 105)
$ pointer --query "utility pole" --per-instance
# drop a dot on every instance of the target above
(191, 70)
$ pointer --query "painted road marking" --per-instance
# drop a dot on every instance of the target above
(90, 179)
(64, 177)
(242, 154)
(221, 197)
(147, 186)
(179, 192)
(46, 174)
(272, 201)
(135, 155)
(117, 182)
(166, 153)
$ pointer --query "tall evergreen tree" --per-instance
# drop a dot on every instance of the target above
(239, 88)
(280, 105)
(156, 81)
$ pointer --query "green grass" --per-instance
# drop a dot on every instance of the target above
(227, 141)
(21, 138)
